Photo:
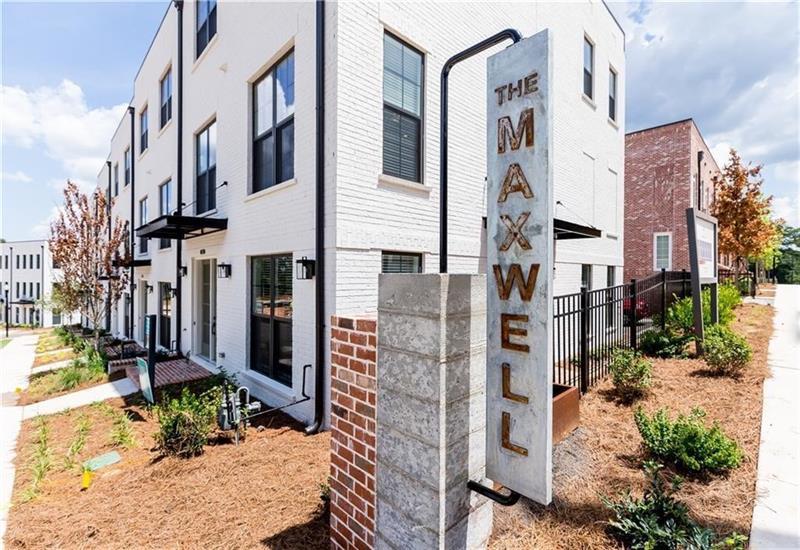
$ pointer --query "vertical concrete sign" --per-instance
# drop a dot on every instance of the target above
(519, 378)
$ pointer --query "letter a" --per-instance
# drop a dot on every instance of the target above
(505, 286)
(514, 182)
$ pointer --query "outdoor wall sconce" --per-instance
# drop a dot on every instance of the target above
(173, 291)
(148, 288)
(184, 271)
(305, 268)
(223, 271)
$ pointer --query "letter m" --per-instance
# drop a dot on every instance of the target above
(506, 131)
(526, 286)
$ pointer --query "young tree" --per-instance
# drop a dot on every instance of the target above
(85, 250)
(742, 211)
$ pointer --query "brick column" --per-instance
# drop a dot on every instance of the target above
(353, 354)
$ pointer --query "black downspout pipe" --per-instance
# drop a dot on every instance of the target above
(506, 34)
(41, 305)
(319, 282)
(108, 214)
(179, 179)
(132, 283)
(10, 284)
(700, 156)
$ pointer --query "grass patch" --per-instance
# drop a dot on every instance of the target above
(82, 427)
(122, 431)
(41, 460)
(4, 342)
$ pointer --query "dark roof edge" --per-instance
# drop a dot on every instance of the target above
(690, 119)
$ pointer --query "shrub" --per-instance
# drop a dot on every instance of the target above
(687, 441)
(88, 367)
(630, 372)
(185, 423)
(659, 520)
(725, 351)
(663, 343)
(680, 315)
(122, 431)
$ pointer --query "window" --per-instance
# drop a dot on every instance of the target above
(206, 23)
(56, 317)
(205, 189)
(588, 68)
(402, 110)
(612, 94)
(611, 280)
(399, 262)
(166, 98)
(17, 288)
(127, 166)
(30, 260)
(116, 179)
(38, 261)
(586, 276)
(5, 261)
(662, 251)
(142, 221)
(273, 125)
(143, 131)
(165, 315)
(17, 261)
(38, 291)
(164, 192)
(24, 261)
(271, 317)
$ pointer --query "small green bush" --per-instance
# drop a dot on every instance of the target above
(725, 352)
(122, 431)
(660, 521)
(687, 441)
(631, 373)
(88, 367)
(186, 422)
(663, 344)
(82, 427)
(680, 315)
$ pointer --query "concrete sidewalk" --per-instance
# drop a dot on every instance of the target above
(109, 390)
(776, 517)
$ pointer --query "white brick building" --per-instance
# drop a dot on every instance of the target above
(381, 91)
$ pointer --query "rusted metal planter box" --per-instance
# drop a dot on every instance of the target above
(566, 411)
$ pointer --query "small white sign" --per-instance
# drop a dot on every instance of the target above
(706, 248)
(520, 256)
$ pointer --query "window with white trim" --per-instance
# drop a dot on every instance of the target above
(662, 251)
(612, 94)
(588, 68)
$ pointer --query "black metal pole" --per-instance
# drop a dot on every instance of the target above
(506, 34)
(633, 319)
(132, 284)
(179, 180)
(11, 278)
(683, 283)
(108, 214)
(663, 299)
(8, 311)
(584, 339)
(39, 296)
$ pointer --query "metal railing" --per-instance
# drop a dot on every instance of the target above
(589, 324)
(746, 281)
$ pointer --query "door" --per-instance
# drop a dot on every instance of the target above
(206, 325)
(165, 315)
(271, 314)
(142, 286)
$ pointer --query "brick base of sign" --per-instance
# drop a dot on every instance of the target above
(353, 400)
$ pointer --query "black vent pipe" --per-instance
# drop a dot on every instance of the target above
(179, 180)
(108, 214)
(319, 370)
(132, 284)
(700, 156)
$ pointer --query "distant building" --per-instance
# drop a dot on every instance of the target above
(662, 165)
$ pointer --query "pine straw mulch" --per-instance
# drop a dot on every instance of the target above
(604, 456)
(53, 357)
(263, 493)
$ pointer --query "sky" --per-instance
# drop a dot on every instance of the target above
(67, 74)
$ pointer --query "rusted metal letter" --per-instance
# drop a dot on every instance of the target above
(506, 436)
(525, 286)
(507, 331)
(514, 182)
(507, 393)
(506, 131)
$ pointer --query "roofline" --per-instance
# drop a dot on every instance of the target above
(25, 241)
(615, 21)
(690, 119)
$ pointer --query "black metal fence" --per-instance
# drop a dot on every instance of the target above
(745, 281)
(588, 325)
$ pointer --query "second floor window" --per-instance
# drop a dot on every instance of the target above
(588, 68)
(166, 98)
(206, 23)
(612, 94)
(164, 193)
(142, 221)
(402, 110)
(273, 125)
(143, 130)
(205, 188)
(127, 166)
(116, 179)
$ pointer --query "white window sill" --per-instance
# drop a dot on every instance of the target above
(395, 182)
(207, 49)
(143, 153)
(270, 190)
(589, 101)
(271, 385)
(613, 123)
(164, 128)
(612, 236)
(206, 214)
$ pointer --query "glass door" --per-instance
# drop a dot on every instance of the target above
(207, 309)
(271, 317)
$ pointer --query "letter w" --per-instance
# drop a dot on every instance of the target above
(505, 286)
(506, 131)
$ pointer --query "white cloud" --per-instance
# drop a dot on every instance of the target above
(18, 176)
(60, 119)
(788, 209)
(42, 229)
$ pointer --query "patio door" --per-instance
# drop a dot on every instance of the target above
(142, 312)
(206, 324)
(271, 317)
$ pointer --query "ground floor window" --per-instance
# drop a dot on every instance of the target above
(165, 315)
(56, 317)
(271, 317)
(586, 276)
(401, 262)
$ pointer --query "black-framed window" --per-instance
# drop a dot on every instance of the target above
(401, 262)
(143, 131)
(24, 261)
(164, 207)
(611, 280)
(612, 94)
(165, 315)
(18, 261)
(38, 261)
(166, 98)
(206, 152)
(116, 179)
(586, 276)
(271, 317)
(38, 291)
(142, 221)
(127, 165)
(273, 125)
(588, 68)
(17, 285)
(206, 23)
(402, 109)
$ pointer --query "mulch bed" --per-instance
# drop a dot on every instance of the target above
(263, 493)
(53, 357)
(604, 456)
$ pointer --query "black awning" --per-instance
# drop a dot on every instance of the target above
(569, 230)
(141, 262)
(181, 227)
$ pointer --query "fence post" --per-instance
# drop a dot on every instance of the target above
(633, 319)
(663, 299)
(683, 283)
(584, 339)
(753, 285)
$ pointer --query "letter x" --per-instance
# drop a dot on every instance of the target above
(515, 232)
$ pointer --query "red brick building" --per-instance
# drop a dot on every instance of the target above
(661, 181)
